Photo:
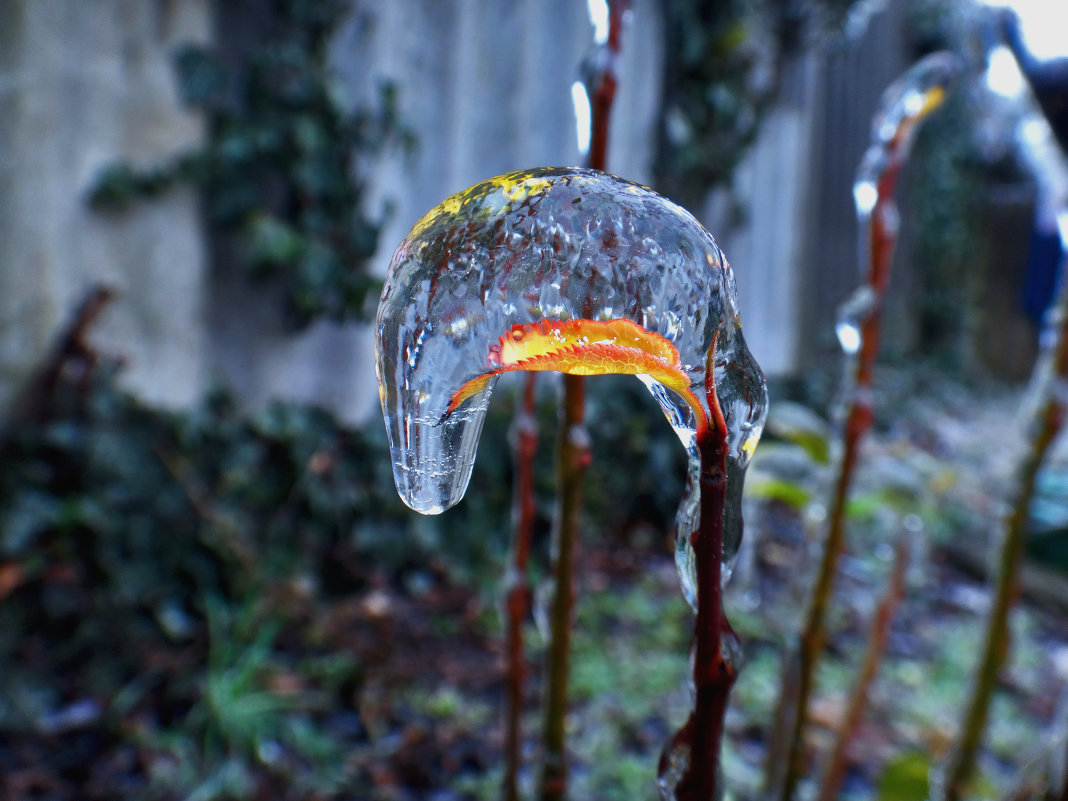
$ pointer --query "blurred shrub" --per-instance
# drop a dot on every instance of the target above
(964, 154)
(164, 575)
(158, 573)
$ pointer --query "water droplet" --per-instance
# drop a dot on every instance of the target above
(851, 316)
(865, 196)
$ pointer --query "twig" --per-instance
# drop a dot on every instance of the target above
(1049, 419)
(573, 456)
(813, 637)
(71, 349)
(518, 598)
(713, 672)
(926, 81)
(873, 657)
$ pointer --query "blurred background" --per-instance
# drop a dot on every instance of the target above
(208, 588)
(752, 117)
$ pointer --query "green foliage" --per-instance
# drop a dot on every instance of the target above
(280, 170)
(180, 576)
(245, 719)
(159, 571)
(168, 564)
(604, 660)
(629, 654)
(790, 493)
(906, 778)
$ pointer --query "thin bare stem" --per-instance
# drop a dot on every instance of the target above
(961, 765)
(882, 239)
(71, 355)
(1050, 409)
(713, 672)
(573, 458)
(873, 657)
(518, 599)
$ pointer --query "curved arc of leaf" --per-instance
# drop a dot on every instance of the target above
(586, 347)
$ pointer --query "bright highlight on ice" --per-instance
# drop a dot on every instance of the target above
(865, 196)
(1042, 24)
(583, 116)
(599, 17)
(1003, 75)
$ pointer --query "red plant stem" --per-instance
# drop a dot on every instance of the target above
(605, 91)
(713, 674)
(573, 457)
(518, 601)
(604, 94)
(873, 657)
(572, 461)
(858, 421)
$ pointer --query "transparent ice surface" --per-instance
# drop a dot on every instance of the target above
(851, 316)
(903, 105)
(553, 244)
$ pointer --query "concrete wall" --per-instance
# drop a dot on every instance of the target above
(83, 84)
(486, 87)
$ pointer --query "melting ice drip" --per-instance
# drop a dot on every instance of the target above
(535, 253)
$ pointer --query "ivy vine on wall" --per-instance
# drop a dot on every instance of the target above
(278, 171)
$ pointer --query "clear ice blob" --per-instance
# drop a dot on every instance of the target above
(903, 105)
(1036, 38)
(912, 97)
(558, 269)
(851, 315)
(902, 108)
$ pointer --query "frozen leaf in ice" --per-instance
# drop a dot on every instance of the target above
(557, 269)
(585, 347)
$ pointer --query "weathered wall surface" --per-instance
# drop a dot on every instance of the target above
(851, 80)
(486, 88)
(484, 85)
(84, 84)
